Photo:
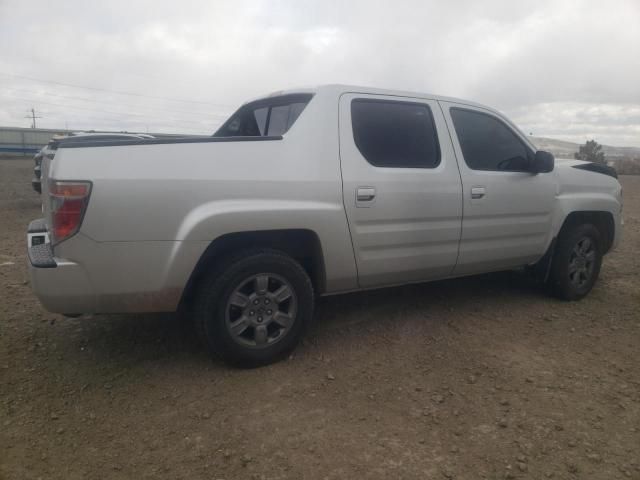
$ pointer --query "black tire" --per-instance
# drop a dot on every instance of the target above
(213, 308)
(567, 283)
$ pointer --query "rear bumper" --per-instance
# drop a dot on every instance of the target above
(36, 182)
(81, 275)
(61, 286)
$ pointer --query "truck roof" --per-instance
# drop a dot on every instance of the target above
(339, 89)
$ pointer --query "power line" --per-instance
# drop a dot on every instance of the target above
(96, 89)
(120, 114)
(32, 117)
(90, 100)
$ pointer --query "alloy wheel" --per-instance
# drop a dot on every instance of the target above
(582, 262)
(261, 310)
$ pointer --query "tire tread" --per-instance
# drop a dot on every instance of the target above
(212, 287)
(558, 280)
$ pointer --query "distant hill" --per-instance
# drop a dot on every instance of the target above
(563, 149)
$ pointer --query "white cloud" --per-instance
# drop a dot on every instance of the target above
(562, 68)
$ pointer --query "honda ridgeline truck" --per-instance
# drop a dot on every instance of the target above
(312, 192)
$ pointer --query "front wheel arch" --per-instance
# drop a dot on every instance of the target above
(602, 220)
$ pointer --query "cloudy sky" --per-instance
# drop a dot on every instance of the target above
(567, 69)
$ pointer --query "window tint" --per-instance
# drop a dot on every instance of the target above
(278, 120)
(487, 143)
(269, 117)
(283, 116)
(295, 111)
(260, 115)
(395, 134)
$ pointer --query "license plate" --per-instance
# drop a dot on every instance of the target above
(37, 238)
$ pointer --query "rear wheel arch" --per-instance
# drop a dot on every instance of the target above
(302, 245)
(255, 308)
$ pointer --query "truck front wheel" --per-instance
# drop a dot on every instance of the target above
(576, 261)
(255, 309)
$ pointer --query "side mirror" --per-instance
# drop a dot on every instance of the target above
(542, 162)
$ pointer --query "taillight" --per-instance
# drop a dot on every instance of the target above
(69, 201)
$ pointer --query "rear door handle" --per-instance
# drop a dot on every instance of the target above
(365, 197)
(365, 194)
(477, 192)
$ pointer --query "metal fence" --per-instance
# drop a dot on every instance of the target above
(25, 140)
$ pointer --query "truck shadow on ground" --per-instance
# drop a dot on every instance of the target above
(131, 339)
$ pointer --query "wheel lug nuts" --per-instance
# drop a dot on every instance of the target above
(252, 313)
(269, 312)
(267, 301)
(255, 302)
(259, 319)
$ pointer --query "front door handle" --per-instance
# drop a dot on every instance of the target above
(478, 192)
(365, 194)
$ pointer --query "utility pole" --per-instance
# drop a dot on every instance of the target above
(33, 117)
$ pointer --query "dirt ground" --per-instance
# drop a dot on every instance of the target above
(484, 377)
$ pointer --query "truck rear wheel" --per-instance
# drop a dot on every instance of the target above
(255, 309)
(576, 261)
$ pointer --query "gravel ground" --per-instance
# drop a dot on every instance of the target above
(484, 377)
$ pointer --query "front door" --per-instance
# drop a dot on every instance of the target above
(401, 187)
(507, 209)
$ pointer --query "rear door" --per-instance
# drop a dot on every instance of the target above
(507, 209)
(401, 186)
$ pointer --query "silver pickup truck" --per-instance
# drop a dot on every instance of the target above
(312, 192)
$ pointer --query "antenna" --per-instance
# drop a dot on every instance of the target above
(33, 117)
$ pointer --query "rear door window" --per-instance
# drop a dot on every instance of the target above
(395, 134)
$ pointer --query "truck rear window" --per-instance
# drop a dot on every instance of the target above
(265, 118)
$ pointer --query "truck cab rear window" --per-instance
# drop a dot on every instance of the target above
(265, 118)
(395, 134)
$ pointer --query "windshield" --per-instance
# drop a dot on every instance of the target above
(268, 117)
